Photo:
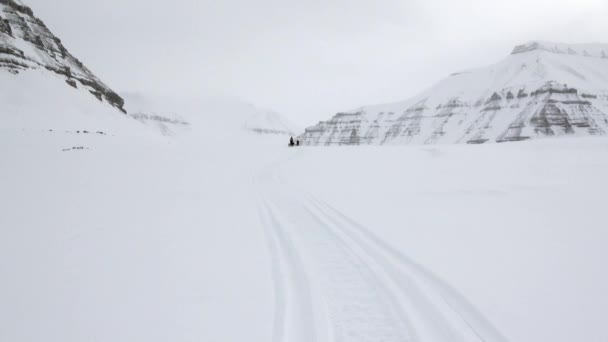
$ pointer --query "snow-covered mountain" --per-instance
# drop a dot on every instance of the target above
(541, 90)
(43, 86)
(221, 114)
(269, 122)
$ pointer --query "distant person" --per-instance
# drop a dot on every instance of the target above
(291, 143)
(298, 143)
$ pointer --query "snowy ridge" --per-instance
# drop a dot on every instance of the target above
(161, 117)
(269, 122)
(166, 124)
(533, 93)
(585, 50)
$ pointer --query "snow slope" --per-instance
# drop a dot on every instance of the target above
(38, 100)
(541, 90)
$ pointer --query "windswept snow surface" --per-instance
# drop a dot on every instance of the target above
(228, 236)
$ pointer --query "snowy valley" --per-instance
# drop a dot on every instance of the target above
(133, 217)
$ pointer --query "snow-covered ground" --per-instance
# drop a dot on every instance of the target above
(519, 229)
(232, 236)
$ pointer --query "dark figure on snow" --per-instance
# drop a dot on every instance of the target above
(291, 143)
(298, 143)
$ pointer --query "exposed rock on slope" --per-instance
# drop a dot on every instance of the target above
(229, 115)
(26, 43)
(269, 122)
(540, 90)
(166, 124)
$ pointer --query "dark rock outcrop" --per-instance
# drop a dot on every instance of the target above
(18, 7)
(71, 82)
(5, 27)
(521, 94)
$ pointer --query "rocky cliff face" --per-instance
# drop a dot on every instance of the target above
(26, 43)
(540, 90)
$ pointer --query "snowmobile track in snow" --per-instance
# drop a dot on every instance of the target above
(290, 282)
(336, 281)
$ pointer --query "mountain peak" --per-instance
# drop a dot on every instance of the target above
(584, 50)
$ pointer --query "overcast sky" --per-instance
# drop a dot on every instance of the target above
(306, 58)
